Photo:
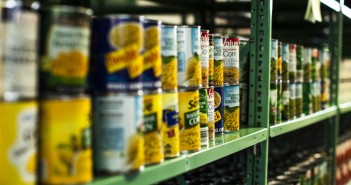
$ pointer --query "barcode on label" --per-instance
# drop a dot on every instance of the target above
(204, 136)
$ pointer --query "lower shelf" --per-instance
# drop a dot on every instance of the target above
(224, 145)
(345, 107)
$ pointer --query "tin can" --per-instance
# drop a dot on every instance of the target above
(325, 62)
(170, 128)
(205, 46)
(285, 102)
(307, 98)
(298, 99)
(19, 53)
(307, 65)
(292, 101)
(117, 45)
(219, 109)
(315, 65)
(279, 101)
(152, 128)
(285, 62)
(210, 113)
(119, 145)
(273, 104)
(211, 59)
(203, 100)
(316, 96)
(64, 49)
(65, 148)
(231, 103)
(244, 56)
(325, 93)
(292, 63)
(18, 148)
(169, 58)
(231, 60)
(189, 121)
(244, 99)
(189, 65)
(274, 61)
(299, 63)
(280, 62)
(152, 67)
(218, 65)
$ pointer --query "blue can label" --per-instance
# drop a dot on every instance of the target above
(218, 100)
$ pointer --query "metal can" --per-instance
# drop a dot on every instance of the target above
(307, 98)
(189, 121)
(274, 61)
(316, 96)
(325, 85)
(231, 103)
(211, 59)
(65, 148)
(298, 99)
(117, 45)
(18, 148)
(219, 107)
(152, 128)
(244, 99)
(307, 65)
(280, 62)
(152, 67)
(218, 65)
(119, 145)
(299, 63)
(205, 46)
(203, 100)
(279, 101)
(169, 76)
(285, 63)
(19, 53)
(189, 65)
(292, 63)
(64, 49)
(273, 104)
(285, 102)
(210, 113)
(170, 128)
(325, 62)
(315, 65)
(231, 60)
(292, 100)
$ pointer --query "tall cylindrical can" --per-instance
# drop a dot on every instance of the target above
(205, 46)
(315, 65)
(189, 50)
(169, 53)
(274, 61)
(307, 65)
(292, 100)
(285, 101)
(325, 62)
(316, 96)
(231, 60)
(203, 101)
(279, 101)
(298, 99)
(218, 66)
(210, 113)
(307, 98)
(292, 63)
(218, 104)
(285, 63)
(325, 94)
(280, 61)
(231, 103)
(273, 103)
(299, 63)
(211, 59)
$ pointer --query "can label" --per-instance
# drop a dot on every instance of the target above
(169, 58)
(153, 125)
(315, 65)
(292, 100)
(285, 102)
(120, 146)
(299, 63)
(279, 102)
(273, 104)
(66, 154)
(170, 126)
(203, 116)
(218, 95)
(274, 61)
(152, 67)
(210, 113)
(280, 62)
(210, 60)
(18, 77)
(307, 98)
(231, 105)
(18, 128)
(307, 65)
(292, 62)
(231, 60)
(285, 63)
(316, 98)
(117, 44)
(189, 121)
(205, 57)
(298, 99)
(218, 61)
(325, 85)
(189, 65)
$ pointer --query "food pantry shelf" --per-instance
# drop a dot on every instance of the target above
(224, 145)
(304, 121)
(345, 108)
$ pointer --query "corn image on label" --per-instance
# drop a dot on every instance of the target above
(210, 59)
(205, 57)
(66, 154)
(18, 143)
(218, 114)
(231, 98)
(169, 58)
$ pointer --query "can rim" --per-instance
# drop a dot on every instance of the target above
(189, 26)
(68, 8)
(168, 26)
(152, 21)
(120, 16)
(63, 97)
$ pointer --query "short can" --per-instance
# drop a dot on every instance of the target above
(299, 63)
(285, 101)
(18, 156)
(169, 54)
(170, 127)
(189, 121)
(231, 73)
(231, 103)
(203, 101)
(205, 46)
(152, 127)
(273, 103)
(285, 62)
(279, 101)
(274, 61)
(299, 99)
(219, 109)
(116, 53)
(19, 52)
(152, 67)
(292, 100)
(307, 64)
(210, 59)
(64, 49)
(65, 154)
(218, 66)
(244, 99)
(307, 98)
(325, 93)
(292, 63)
(189, 50)
(211, 113)
(118, 141)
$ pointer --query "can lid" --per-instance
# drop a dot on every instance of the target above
(165, 25)
(68, 9)
(204, 30)
(120, 16)
(159, 22)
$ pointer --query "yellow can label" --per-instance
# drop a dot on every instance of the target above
(189, 121)
(152, 125)
(65, 155)
(18, 151)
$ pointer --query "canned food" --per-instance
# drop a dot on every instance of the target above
(19, 53)
(218, 104)
(211, 59)
(285, 102)
(292, 101)
(203, 116)
(307, 65)
(169, 58)
(218, 66)
(64, 49)
(231, 60)
(170, 126)
(244, 62)
(119, 145)
(292, 63)
(205, 46)
(315, 65)
(152, 128)
(298, 99)
(189, 121)
(210, 113)
(18, 148)
(307, 98)
(280, 61)
(244, 99)
(325, 62)
(299, 63)
(279, 101)
(152, 67)
(231, 105)
(273, 104)
(117, 44)
(65, 148)
(285, 63)
(274, 61)
(316, 96)
(325, 85)
(189, 65)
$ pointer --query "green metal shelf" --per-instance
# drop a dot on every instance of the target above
(224, 145)
(345, 107)
(304, 121)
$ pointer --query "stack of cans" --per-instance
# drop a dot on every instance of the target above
(299, 80)
(273, 84)
(292, 80)
(315, 88)
(279, 84)
(324, 73)
(307, 82)
(65, 135)
(285, 111)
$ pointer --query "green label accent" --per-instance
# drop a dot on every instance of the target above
(203, 101)
(150, 122)
(192, 118)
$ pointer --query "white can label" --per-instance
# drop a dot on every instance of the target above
(292, 89)
(299, 90)
(211, 108)
(292, 60)
(218, 48)
(231, 96)
(230, 53)
(169, 41)
(211, 49)
(204, 50)
(285, 96)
